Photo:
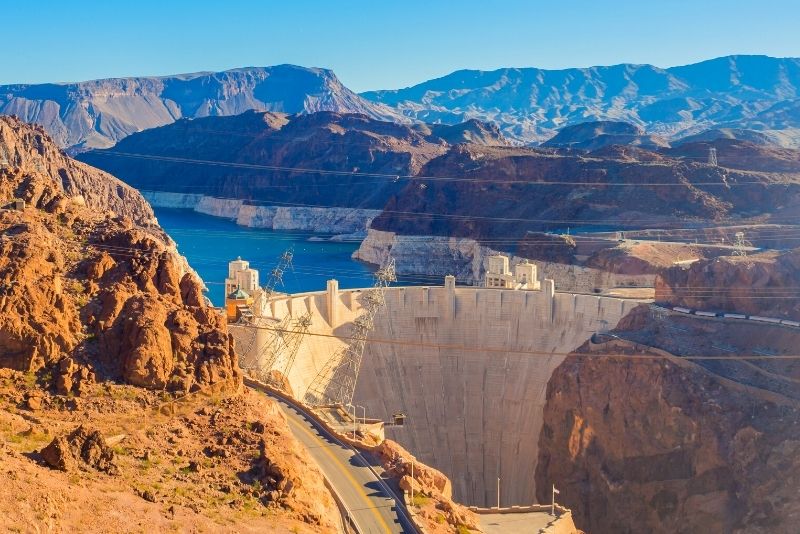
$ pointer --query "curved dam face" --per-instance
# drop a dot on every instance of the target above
(473, 404)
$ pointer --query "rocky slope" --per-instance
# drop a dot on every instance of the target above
(93, 295)
(530, 104)
(595, 135)
(668, 445)
(501, 193)
(99, 113)
(253, 144)
(758, 284)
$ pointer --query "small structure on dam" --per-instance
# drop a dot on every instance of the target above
(499, 276)
(468, 366)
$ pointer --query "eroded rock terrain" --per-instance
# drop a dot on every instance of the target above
(638, 438)
(120, 390)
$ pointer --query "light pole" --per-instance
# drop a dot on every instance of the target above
(412, 480)
(354, 418)
(363, 412)
(553, 505)
(498, 493)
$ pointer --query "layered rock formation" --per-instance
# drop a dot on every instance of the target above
(266, 159)
(758, 284)
(647, 441)
(318, 220)
(501, 193)
(99, 113)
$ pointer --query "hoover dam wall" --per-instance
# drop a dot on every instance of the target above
(474, 405)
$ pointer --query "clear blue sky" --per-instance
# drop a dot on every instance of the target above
(373, 44)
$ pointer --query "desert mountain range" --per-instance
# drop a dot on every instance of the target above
(528, 104)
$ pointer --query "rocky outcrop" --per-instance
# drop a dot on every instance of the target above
(273, 159)
(83, 446)
(90, 287)
(556, 248)
(652, 442)
(595, 135)
(758, 284)
(430, 485)
(27, 152)
(503, 193)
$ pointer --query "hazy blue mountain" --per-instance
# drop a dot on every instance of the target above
(100, 112)
(531, 105)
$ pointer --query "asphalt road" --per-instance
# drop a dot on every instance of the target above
(371, 504)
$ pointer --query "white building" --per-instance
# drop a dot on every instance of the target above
(241, 276)
(498, 275)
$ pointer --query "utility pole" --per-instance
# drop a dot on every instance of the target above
(498, 493)
(412, 481)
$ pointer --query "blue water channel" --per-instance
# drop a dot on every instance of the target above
(209, 243)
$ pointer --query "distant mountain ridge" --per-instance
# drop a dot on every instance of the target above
(99, 113)
(531, 104)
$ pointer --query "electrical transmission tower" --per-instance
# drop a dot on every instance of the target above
(275, 279)
(658, 313)
(282, 359)
(740, 244)
(245, 330)
(712, 156)
(336, 381)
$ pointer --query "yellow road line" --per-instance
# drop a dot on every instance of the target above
(344, 469)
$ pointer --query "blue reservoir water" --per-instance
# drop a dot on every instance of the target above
(209, 243)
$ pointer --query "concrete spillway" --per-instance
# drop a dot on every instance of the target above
(474, 414)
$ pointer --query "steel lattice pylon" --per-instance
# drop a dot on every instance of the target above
(254, 360)
(275, 279)
(336, 381)
(282, 358)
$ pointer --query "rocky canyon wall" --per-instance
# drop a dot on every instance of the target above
(318, 220)
(466, 259)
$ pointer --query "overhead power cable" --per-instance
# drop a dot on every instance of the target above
(427, 178)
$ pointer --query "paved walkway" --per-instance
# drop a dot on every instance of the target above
(522, 523)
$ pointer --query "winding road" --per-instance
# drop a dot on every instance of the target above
(371, 504)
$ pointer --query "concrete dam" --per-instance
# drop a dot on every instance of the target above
(445, 356)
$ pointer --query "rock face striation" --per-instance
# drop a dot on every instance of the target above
(663, 444)
(90, 286)
(760, 284)
(99, 113)
(530, 104)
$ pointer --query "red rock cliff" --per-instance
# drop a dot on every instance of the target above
(89, 285)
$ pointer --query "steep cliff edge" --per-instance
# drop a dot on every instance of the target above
(653, 442)
(758, 284)
(109, 353)
(87, 277)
